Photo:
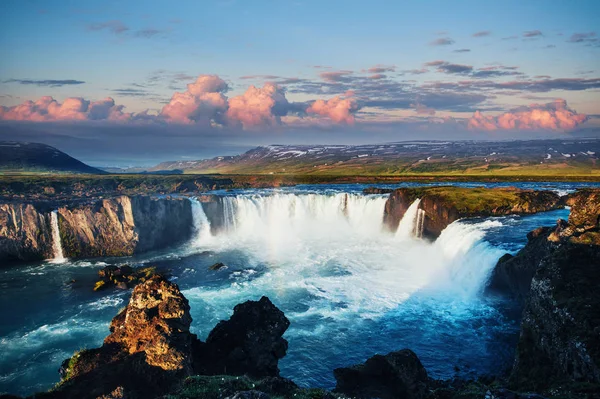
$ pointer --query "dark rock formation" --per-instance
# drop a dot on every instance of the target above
(124, 225)
(395, 375)
(217, 266)
(556, 277)
(250, 342)
(25, 233)
(560, 331)
(513, 274)
(444, 205)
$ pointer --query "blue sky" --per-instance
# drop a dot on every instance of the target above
(429, 61)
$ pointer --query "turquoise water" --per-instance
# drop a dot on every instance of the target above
(349, 288)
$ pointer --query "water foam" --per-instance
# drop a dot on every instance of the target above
(57, 250)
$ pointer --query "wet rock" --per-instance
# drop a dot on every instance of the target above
(249, 395)
(250, 342)
(217, 266)
(123, 277)
(396, 375)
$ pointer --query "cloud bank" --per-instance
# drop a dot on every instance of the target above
(204, 103)
(551, 116)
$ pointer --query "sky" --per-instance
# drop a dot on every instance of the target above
(139, 82)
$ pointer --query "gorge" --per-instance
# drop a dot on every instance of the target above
(322, 254)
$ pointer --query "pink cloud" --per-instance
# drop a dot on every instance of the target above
(338, 109)
(552, 116)
(258, 106)
(72, 108)
(202, 102)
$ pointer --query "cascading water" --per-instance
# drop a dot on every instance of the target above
(57, 250)
(409, 225)
(200, 222)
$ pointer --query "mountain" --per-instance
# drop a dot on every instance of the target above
(22, 157)
(549, 157)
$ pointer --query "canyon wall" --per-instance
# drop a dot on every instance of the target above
(118, 226)
(25, 233)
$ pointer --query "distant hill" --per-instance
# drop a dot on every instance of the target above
(532, 157)
(22, 157)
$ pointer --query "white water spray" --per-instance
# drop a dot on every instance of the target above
(57, 250)
(200, 222)
(411, 224)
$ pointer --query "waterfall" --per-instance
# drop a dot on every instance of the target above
(418, 232)
(302, 214)
(57, 251)
(411, 224)
(200, 222)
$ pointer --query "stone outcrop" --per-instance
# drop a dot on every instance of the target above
(25, 233)
(444, 205)
(124, 225)
(150, 348)
(396, 375)
(250, 342)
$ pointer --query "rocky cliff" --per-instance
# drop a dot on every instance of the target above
(25, 233)
(444, 205)
(555, 277)
(118, 226)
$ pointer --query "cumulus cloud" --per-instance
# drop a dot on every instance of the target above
(337, 76)
(421, 109)
(338, 109)
(259, 106)
(589, 37)
(381, 69)
(447, 67)
(482, 33)
(552, 116)
(202, 102)
(73, 108)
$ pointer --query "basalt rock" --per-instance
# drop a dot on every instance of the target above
(25, 233)
(444, 205)
(250, 342)
(395, 375)
(124, 225)
(148, 350)
(560, 330)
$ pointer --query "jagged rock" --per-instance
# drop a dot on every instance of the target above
(560, 331)
(444, 205)
(157, 322)
(149, 348)
(396, 375)
(250, 342)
